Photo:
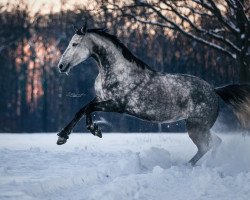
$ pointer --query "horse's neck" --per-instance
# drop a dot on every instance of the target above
(103, 53)
(114, 67)
(108, 57)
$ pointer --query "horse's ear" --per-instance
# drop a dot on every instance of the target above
(75, 28)
(84, 28)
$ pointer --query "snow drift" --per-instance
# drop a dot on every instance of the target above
(121, 166)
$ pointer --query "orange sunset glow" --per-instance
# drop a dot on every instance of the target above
(37, 65)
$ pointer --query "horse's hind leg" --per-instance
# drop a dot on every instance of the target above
(201, 136)
(216, 143)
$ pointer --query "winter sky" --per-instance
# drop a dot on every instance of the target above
(46, 5)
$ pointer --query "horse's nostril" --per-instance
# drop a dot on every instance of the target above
(60, 66)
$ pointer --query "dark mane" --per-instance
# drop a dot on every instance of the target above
(125, 51)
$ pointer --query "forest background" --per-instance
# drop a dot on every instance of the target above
(208, 39)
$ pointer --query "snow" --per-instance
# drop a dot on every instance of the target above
(121, 167)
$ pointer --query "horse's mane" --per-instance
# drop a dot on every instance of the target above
(125, 51)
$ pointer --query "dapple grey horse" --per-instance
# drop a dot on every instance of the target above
(125, 84)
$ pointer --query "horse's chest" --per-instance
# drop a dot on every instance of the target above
(106, 89)
(99, 87)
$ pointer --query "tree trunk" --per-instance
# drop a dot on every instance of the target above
(45, 106)
(243, 61)
(244, 70)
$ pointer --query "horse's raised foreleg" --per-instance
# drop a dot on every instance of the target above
(94, 105)
(105, 106)
(92, 127)
(64, 133)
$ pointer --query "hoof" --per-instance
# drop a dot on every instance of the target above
(63, 136)
(95, 130)
(61, 140)
(98, 133)
(190, 164)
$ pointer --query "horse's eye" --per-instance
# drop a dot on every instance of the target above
(74, 44)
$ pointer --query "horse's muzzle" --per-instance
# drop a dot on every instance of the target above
(64, 68)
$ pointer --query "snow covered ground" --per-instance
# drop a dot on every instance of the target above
(121, 167)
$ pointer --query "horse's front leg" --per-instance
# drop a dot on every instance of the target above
(92, 127)
(64, 133)
(105, 106)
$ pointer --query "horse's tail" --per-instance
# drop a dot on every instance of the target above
(238, 98)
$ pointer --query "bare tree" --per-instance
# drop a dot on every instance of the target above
(223, 25)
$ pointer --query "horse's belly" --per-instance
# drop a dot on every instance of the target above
(157, 113)
(156, 117)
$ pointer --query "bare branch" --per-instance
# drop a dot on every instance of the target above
(240, 7)
(154, 23)
(216, 12)
(195, 11)
(175, 26)
(231, 4)
(201, 30)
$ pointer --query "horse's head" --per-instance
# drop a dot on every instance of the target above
(77, 51)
